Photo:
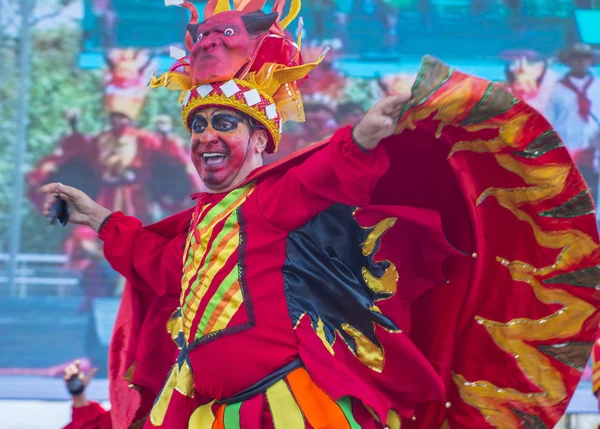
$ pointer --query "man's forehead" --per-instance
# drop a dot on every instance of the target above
(209, 112)
(231, 18)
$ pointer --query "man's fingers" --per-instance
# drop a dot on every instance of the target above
(68, 192)
(48, 203)
(391, 106)
(69, 371)
(50, 188)
(384, 121)
(64, 191)
(89, 376)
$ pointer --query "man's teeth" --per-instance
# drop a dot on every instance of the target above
(213, 158)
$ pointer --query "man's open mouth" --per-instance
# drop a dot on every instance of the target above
(213, 158)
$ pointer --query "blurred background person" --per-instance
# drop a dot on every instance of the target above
(574, 108)
(529, 77)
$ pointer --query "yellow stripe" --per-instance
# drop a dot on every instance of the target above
(198, 254)
(205, 234)
(229, 311)
(203, 417)
(284, 409)
(206, 277)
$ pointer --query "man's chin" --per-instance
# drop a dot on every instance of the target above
(216, 185)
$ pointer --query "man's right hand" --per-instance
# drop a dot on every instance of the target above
(83, 210)
(74, 370)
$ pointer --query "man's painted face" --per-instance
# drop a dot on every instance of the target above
(225, 43)
(221, 146)
(118, 122)
(581, 64)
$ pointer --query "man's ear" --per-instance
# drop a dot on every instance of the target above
(261, 139)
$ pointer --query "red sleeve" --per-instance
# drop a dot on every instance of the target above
(92, 416)
(341, 172)
(148, 260)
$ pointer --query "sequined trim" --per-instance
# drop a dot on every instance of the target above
(579, 205)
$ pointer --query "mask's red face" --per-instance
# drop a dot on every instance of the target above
(225, 43)
(223, 147)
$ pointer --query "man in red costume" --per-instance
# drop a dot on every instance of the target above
(427, 268)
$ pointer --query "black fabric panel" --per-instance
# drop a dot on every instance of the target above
(323, 275)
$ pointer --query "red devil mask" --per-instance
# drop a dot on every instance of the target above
(225, 44)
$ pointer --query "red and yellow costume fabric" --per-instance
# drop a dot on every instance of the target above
(443, 280)
(596, 367)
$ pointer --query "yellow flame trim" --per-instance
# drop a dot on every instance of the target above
(367, 352)
(180, 380)
(546, 182)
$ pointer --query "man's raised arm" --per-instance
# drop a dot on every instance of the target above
(345, 171)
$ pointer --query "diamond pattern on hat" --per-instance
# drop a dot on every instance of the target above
(186, 98)
(204, 90)
(230, 88)
(176, 53)
(252, 97)
(271, 111)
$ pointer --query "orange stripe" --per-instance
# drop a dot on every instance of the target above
(319, 409)
(219, 422)
(215, 258)
(194, 267)
(219, 309)
(185, 290)
(225, 212)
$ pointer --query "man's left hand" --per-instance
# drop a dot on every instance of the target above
(379, 122)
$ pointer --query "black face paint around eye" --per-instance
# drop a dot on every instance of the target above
(225, 121)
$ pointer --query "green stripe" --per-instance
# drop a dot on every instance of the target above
(227, 227)
(345, 404)
(222, 205)
(231, 419)
(218, 208)
(216, 299)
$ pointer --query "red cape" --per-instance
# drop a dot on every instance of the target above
(509, 335)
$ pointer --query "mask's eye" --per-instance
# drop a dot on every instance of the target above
(229, 32)
(200, 37)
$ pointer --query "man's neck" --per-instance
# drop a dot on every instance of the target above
(579, 75)
(240, 180)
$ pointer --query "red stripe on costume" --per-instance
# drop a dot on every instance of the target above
(251, 413)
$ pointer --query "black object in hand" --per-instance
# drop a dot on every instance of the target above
(75, 385)
(60, 212)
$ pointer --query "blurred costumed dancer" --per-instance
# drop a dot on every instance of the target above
(320, 96)
(423, 268)
(529, 78)
(123, 168)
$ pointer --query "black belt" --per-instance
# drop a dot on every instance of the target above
(263, 384)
